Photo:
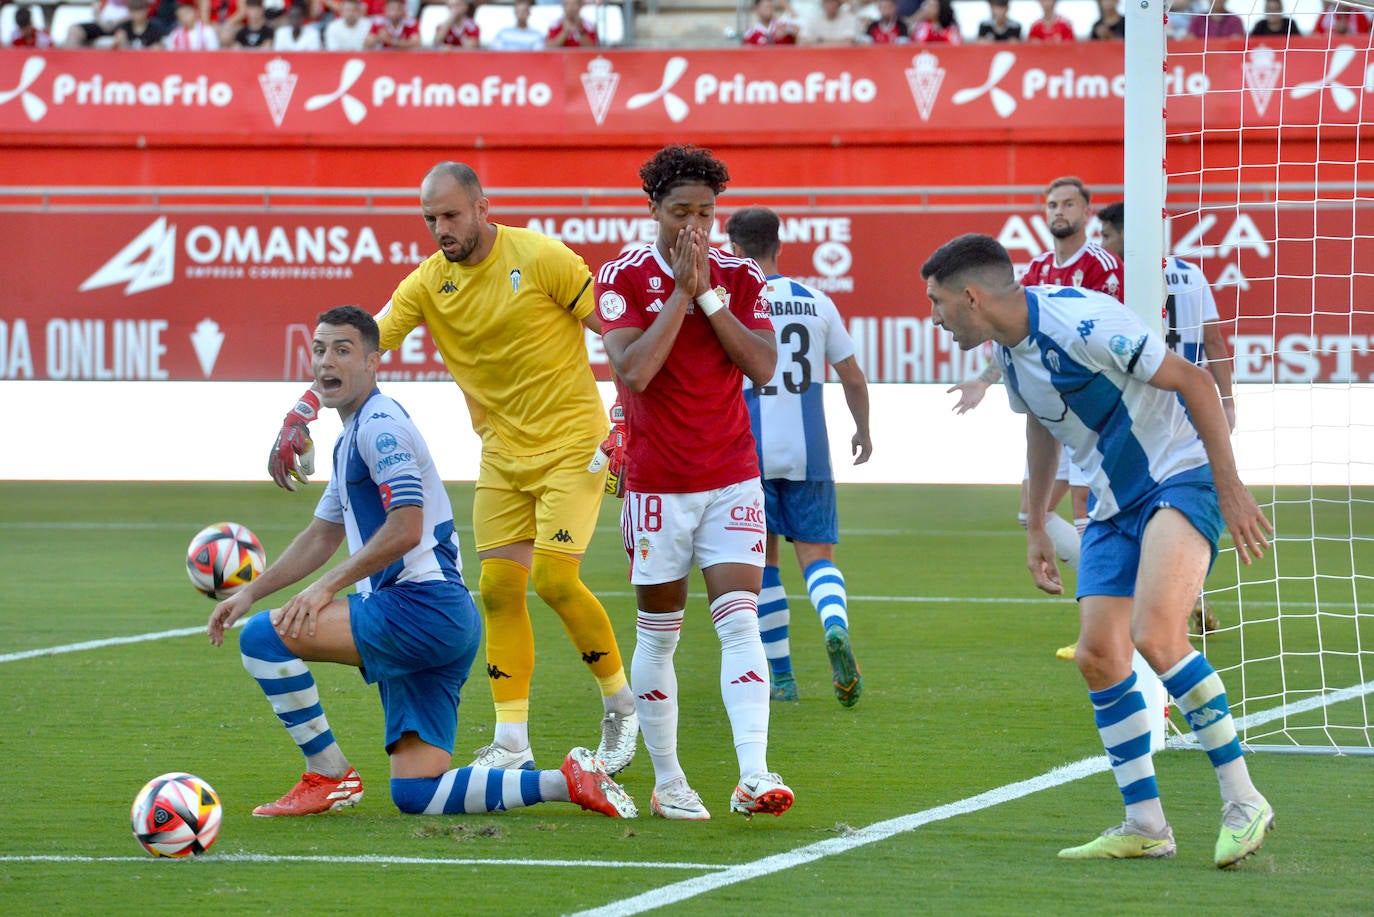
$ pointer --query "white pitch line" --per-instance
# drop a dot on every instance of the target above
(364, 859)
(700, 885)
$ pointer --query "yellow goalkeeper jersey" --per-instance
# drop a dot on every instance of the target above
(510, 331)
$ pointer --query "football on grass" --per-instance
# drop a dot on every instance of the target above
(223, 558)
(176, 815)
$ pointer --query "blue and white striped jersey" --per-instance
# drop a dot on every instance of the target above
(1083, 372)
(1190, 303)
(788, 414)
(382, 461)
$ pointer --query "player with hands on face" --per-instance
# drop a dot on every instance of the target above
(410, 627)
(1147, 428)
(683, 324)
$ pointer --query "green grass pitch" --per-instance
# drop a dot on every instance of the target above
(963, 698)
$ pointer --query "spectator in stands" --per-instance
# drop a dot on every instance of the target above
(295, 34)
(999, 26)
(254, 32)
(459, 30)
(833, 24)
(108, 14)
(769, 28)
(192, 33)
(394, 31)
(1050, 26)
(349, 31)
(888, 28)
(1181, 14)
(519, 37)
(935, 24)
(1275, 22)
(1337, 19)
(1219, 22)
(571, 31)
(26, 34)
(139, 30)
(1110, 24)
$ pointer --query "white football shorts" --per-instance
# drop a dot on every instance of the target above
(666, 533)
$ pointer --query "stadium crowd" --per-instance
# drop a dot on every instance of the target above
(452, 25)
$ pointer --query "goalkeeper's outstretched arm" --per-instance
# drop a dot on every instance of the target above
(292, 459)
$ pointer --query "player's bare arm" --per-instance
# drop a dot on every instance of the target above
(1219, 365)
(308, 551)
(1042, 460)
(402, 531)
(1246, 522)
(855, 386)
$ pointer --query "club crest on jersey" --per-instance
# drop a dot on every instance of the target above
(515, 280)
(643, 548)
(611, 305)
(1052, 358)
(1078, 278)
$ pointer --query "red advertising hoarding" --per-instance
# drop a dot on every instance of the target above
(228, 295)
(585, 98)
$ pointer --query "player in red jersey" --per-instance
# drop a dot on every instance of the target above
(683, 324)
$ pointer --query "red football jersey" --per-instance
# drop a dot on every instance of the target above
(456, 33)
(688, 431)
(1092, 268)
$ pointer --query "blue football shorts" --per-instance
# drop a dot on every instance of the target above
(802, 510)
(417, 642)
(1110, 553)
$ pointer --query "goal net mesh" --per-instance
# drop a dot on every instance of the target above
(1270, 188)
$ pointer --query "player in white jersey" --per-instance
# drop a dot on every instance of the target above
(411, 627)
(1192, 325)
(788, 419)
(1147, 428)
(1192, 329)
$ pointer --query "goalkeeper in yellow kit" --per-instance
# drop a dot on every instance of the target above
(506, 307)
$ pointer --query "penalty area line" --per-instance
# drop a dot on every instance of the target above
(700, 885)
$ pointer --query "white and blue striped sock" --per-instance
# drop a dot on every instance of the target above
(774, 618)
(1124, 725)
(471, 789)
(1197, 689)
(825, 586)
(290, 688)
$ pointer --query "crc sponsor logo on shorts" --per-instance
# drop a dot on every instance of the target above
(746, 518)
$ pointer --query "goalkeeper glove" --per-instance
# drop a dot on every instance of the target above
(611, 454)
(293, 454)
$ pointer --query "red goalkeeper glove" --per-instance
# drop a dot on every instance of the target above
(611, 454)
(292, 457)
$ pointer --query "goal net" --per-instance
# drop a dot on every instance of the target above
(1269, 146)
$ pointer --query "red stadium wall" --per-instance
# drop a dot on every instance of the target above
(132, 287)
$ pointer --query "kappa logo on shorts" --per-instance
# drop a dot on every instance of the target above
(562, 537)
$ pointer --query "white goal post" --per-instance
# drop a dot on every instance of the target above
(1267, 185)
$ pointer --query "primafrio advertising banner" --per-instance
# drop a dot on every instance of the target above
(335, 99)
(232, 295)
